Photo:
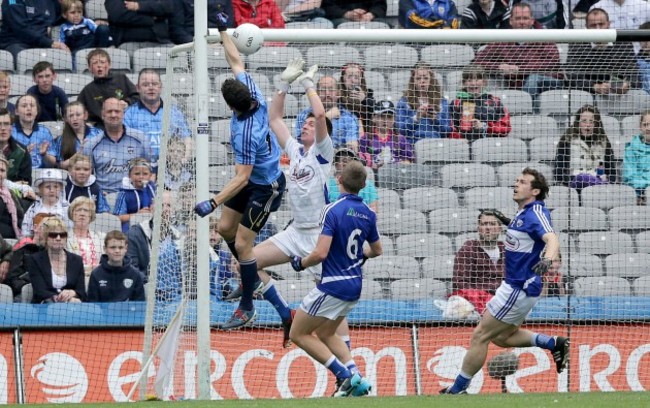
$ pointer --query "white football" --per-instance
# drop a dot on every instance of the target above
(248, 38)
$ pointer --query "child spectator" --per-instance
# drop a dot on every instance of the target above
(642, 59)
(552, 280)
(5, 91)
(636, 162)
(383, 145)
(177, 172)
(137, 192)
(104, 85)
(75, 133)
(82, 183)
(26, 131)
(115, 280)
(79, 32)
(50, 184)
(475, 113)
(51, 99)
(369, 193)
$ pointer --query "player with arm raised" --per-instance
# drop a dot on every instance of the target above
(346, 225)
(257, 187)
(531, 247)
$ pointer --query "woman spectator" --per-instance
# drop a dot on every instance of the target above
(584, 154)
(29, 133)
(75, 133)
(11, 210)
(57, 275)
(422, 112)
(88, 244)
(20, 170)
(636, 162)
(355, 95)
(383, 145)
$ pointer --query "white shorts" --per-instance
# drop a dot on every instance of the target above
(299, 242)
(319, 304)
(511, 305)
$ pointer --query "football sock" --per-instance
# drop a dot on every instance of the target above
(543, 341)
(461, 383)
(348, 342)
(233, 250)
(274, 297)
(249, 276)
(337, 368)
(352, 367)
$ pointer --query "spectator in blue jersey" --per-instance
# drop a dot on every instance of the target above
(146, 115)
(5, 91)
(258, 185)
(136, 194)
(26, 131)
(51, 99)
(177, 170)
(75, 134)
(115, 280)
(20, 163)
(115, 148)
(82, 183)
(368, 193)
(26, 24)
(345, 125)
(79, 32)
(531, 248)
(430, 14)
(481, 14)
(346, 225)
(422, 113)
(83, 240)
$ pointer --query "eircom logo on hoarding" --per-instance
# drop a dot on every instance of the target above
(96, 366)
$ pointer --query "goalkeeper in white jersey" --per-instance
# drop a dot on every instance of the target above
(311, 163)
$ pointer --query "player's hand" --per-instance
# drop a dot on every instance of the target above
(222, 21)
(205, 207)
(293, 70)
(307, 79)
(541, 267)
(296, 263)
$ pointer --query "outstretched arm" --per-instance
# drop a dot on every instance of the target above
(276, 111)
(231, 52)
(307, 80)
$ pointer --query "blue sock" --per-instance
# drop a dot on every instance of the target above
(543, 341)
(249, 276)
(337, 368)
(352, 367)
(461, 383)
(347, 341)
(275, 298)
(233, 250)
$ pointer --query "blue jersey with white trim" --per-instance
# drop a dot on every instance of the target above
(251, 138)
(524, 246)
(350, 223)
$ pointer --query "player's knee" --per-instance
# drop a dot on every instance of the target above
(481, 336)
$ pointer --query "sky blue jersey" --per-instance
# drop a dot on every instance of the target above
(40, 134)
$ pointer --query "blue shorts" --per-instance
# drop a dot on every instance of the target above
(256, 202)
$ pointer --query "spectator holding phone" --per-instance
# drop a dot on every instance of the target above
(355, 95)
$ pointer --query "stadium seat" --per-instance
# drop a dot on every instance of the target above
(528, 127)
(606, 196)
(628, 265)
(453, 220)
(517, 102)
(219, 154)
(579, 265)
(576, 219)
(364, 25)
(95, 10)
(630, 125)
(605, 242)
(400, 176)
(217, 108)
(217, 59)
(332, 56)
(150, 57)
(643, 241)
(55, 127)
(20, 84)
(105, 222)
(618, 146)
(508, 172)
(72, 84)
(220, 176)
(601, 286)
(423, 245)
(426, 199)
(6, 61)
(6, 294)
(633, 102)
(386, 244)
(416, 289)
(390, 57)
(26, 293)
(453, 83)
(499, 150)
(641, 286)
(399, 222)
(392, 267)
(612, 126)
(26, 59)
(467, 175)
(438, 267)
(447, 56)
(629, 218)
(120, 60)
(490, 197)
(543, 148)
(389, 200)
(556, 102)
(294, 290)
(433, 151)
(371, 290)
(561, 196)
(272, 58)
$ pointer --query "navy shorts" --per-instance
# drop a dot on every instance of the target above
(256, 202)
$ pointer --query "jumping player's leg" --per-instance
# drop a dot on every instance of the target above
(228, 226)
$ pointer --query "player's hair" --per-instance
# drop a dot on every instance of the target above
(42, 66)
(523, 5)
(237, 95)
(328, 122)
(38, 105)
(539, 182)
(69, 137)
(71, 5)
(116, 235)
(98, 52)
(353, 177)
(596, 11)
(434, 92)
(148, 71)
(473, 72)
(645, 26)
(80, 201)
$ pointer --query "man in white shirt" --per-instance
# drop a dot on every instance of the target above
(625, 14)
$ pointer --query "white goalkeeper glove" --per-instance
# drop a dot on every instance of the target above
(307, 79)
(290, 73)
